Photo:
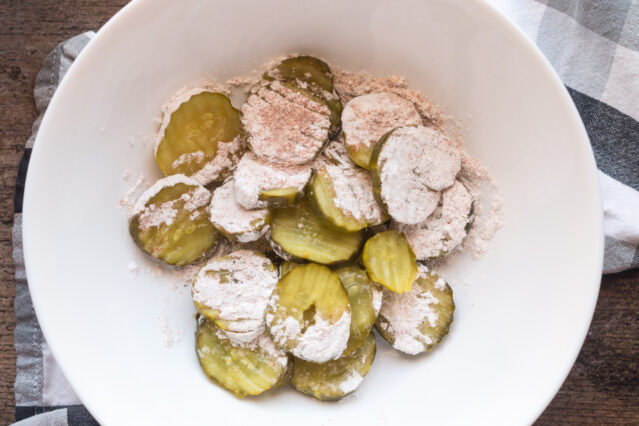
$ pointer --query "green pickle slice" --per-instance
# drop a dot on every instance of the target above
(249, 369)
(334, 380)
(280, 198)
(390, 261)
(304, 68)
(309, 315)
(260, 184)
(286, 267)
(368, 117)
(298, 232)
(233, 291)
(233, 220)
(416, 321)
(445, 229)
(365, 298)
(359, 207)
(313, 78)
(170, 221)
(201, 139)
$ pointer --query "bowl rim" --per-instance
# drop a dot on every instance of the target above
(139, 6)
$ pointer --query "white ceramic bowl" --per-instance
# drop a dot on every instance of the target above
(522, 311)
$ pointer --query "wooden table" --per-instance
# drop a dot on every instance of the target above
(603, 386)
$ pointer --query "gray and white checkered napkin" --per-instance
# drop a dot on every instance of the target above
(593, 45)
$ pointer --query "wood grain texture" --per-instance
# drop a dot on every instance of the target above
(603, 386)
(29, 29)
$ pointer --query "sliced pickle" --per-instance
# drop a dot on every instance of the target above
(284, 127)
(365, 298)
(233, 220)
(260, 184)
(306, 69)
(298, 232)
(287, 266)
(201, 138)
(390, 261)
(170, 221)
(368, 117)
(343, 195)
(309, 314)
(334, 380)
(416, 321)
(445, 228)
(313, 78)
(280, 198)
(233, 291)
(419, 160)
(248, 369)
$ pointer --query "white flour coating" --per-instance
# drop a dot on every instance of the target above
(444, 229)
(156, 215)
(234, 220)
(261, 343)
(196, 198)
(351, 382)
(335, 153)
(415, 163)
(284, 126)
(353, 188)
(367, 118)
(158, 186)
(377, 298)
(237, 286)
(403, 313)
(187, 158)
(224, 162)
(320, 342)
(485, 191)
(254, 175)
(228, 152)
(169, 337)
(181, 96)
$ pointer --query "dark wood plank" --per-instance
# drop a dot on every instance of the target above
(601, 388)
(29, 29)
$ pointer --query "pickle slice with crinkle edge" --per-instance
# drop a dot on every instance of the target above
(313, 78)
(247, 369)
(287, 266)
(309, 315)
(201, 138)
(365, 298)
(416, 321)
(170, 221)
(336, 379)
(298, 232)
(390, 261)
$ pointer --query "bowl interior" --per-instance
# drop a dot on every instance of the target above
(522, 310)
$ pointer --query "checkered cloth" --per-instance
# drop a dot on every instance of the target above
(593, 45)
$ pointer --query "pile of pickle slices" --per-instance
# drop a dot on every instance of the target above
(326, 272)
